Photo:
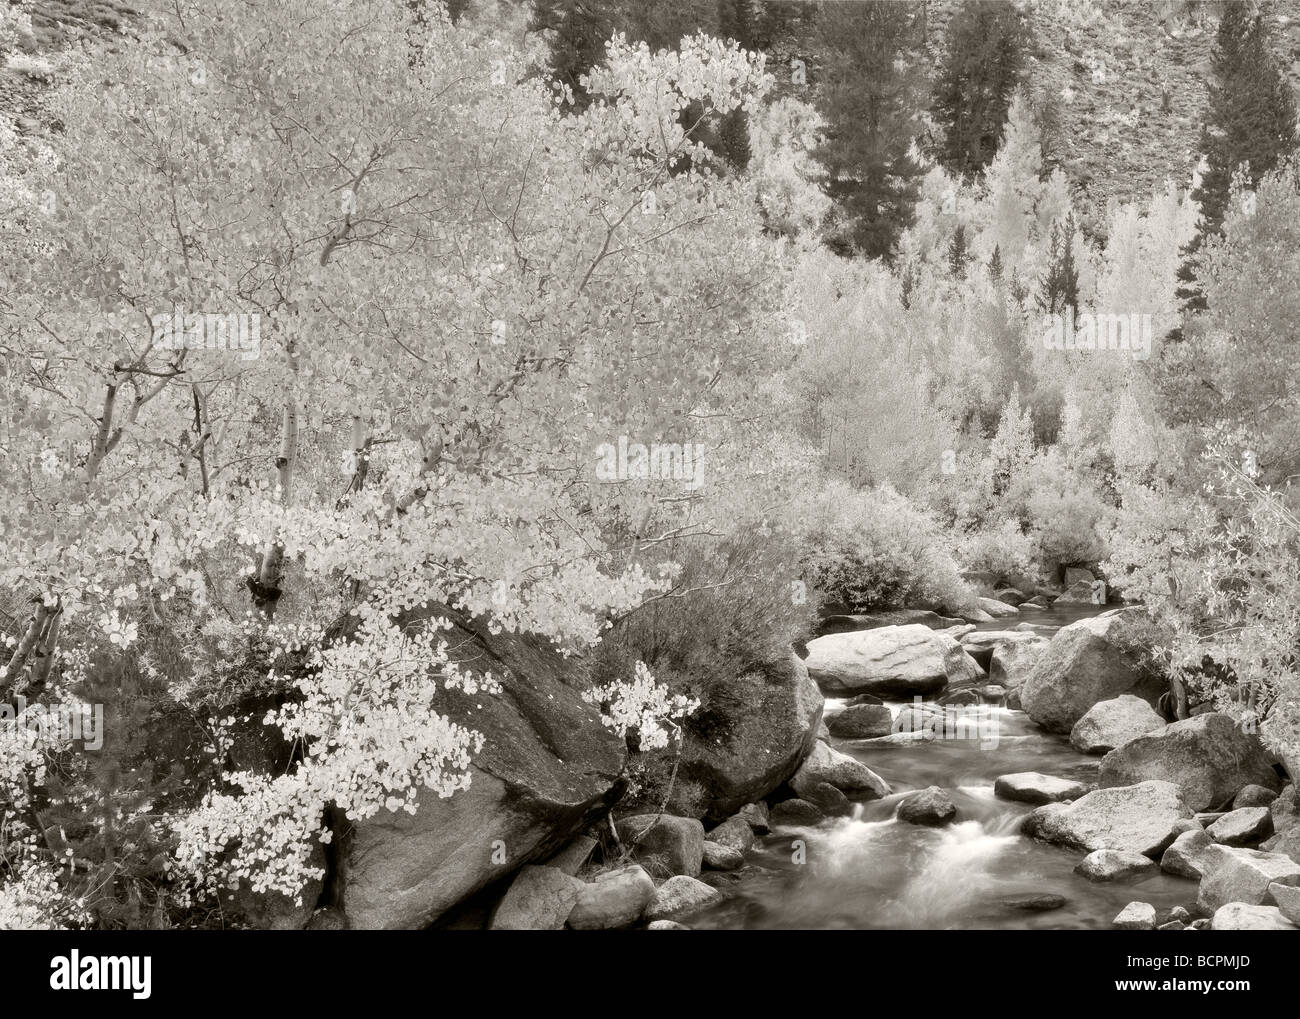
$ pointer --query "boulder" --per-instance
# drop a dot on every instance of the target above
(539, 899)
(616, 898)
(720, 857)
(931, 806)
(889, 661)
(666, 925)
(1034, 787)
(1138, 818)
(674, 844)
(1010, 595)
(1242, 827)
(1208, 757)
(997, 608)
(1242, 875)
(757, 816)
(1115, 865)
(1076, 575)
(876, 620)
(918, 717)
(1238, 916)
(1078, 593)
(547, 769)
(570, 859)
(826, 798)
(1184, 856)
(1287, 898)
(1136, 916)
(1110, 724)
(680, 895)
(734, 833)
(1254, 796)
(1088, 661)
(772, 712)
(839, 770)
(861, 721)
(796, 813)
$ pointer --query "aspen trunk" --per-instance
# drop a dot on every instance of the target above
(266, 588)
(31, 636)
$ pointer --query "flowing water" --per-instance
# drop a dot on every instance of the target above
(870, 871)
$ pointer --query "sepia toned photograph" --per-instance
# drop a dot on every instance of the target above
(636, 465)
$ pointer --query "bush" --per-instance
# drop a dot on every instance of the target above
(874, 549)
(1005, 551)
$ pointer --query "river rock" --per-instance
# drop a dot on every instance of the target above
(539, 899)
(734, 833)
(1115, 865)
(1242, 827)
(548, 768)
(1254, 796)
(1010, 595)
(1208, 757)
(616, 898)
(1287, 898)
(1110, 724)
(1034, 787)
(1138, 818)
(829, 800)
(720, 857)
(1242, 875)
(931, 806)
(877, 620)
(1136, 916)
(861, 721)
(889, 661)
(1239, 916)
(666, 925)
(757, 816)
(918, 717)
(1039, 902)
(997, 608)
(841, 771)
(773, 712)
(674, 844)
(1088, 661)
(680, 895)
(796, 813)
(1184, 856)
(1078, 593)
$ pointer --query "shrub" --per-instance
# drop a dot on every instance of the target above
(874, 549)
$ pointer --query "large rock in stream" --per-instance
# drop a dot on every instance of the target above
(1088, 661)
(1208, 757)
(1110, 724)
(772, 714)
(889, 661)
(548, 768)
(1139, 818)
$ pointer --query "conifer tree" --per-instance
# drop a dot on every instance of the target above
(870, 97)
(981, 68)
(1251, 119)
(1059, 288)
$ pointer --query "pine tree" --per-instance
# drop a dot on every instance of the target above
(958, 252)
(871, 91)
(1251, 119)
(1059, 288)
(995, 264)
(981, 68)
